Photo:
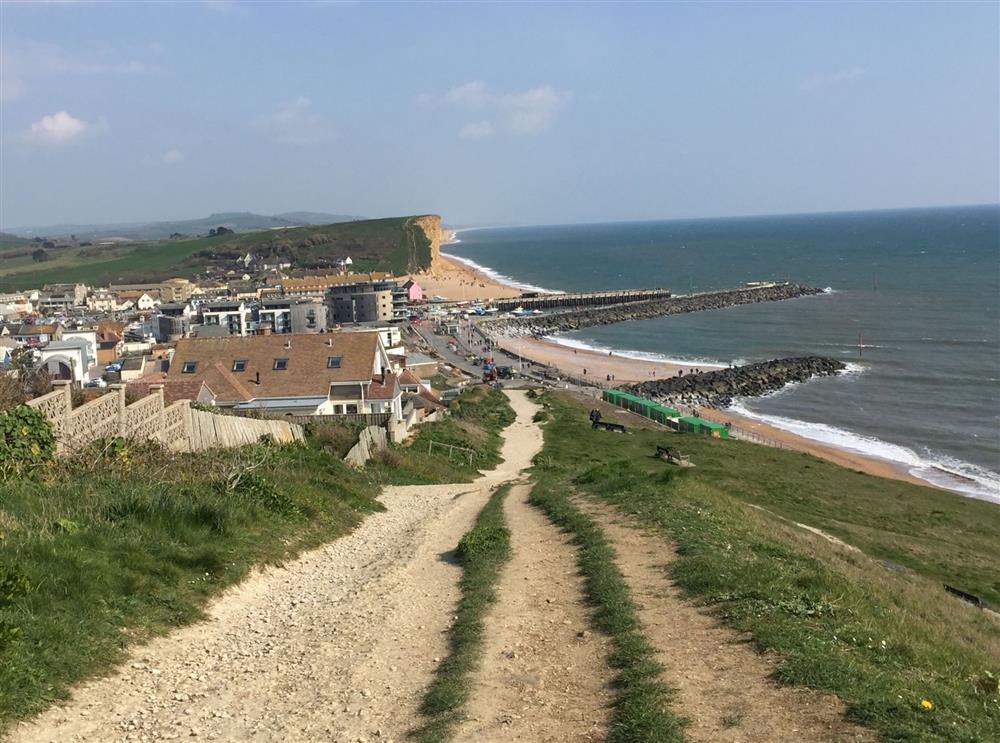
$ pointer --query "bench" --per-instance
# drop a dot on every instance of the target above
(673, 456)
(608, 426)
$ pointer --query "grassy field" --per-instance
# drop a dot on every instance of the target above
(882, 639)
(482, 552)
(395, 244)
(101, 553)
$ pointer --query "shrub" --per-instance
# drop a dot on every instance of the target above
(26, 440)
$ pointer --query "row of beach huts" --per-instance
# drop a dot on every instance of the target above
(670, 417)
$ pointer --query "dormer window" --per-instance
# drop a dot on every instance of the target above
(333, 362)
(189, 367)
(280, 364)
(240, 365)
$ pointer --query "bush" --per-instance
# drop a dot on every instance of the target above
(26, 440)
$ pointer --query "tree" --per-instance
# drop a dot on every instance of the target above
(21, 381)
(39, 256)
(49, 245)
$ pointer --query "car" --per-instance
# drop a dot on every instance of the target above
(99, 383)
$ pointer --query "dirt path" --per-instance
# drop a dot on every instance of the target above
(723, 685)
(544, 675)
(338, 645)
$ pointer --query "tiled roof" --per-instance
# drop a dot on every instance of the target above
(320, 282)
(387, 390)
(307, 371)
(37, 329)
(173, 390)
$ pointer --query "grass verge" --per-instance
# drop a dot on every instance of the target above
(883, 639)
(478, 416)
(641, 708)
(482, 552)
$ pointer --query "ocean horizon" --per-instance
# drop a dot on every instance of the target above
(912, 305)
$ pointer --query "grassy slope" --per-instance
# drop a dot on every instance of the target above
(825, 611)
(482, 552)
(124, 550)
(477, 417)
(384, 244)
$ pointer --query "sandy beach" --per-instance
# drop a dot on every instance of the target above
(459, 281)
(600, 365)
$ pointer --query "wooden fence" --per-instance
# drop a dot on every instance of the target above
(176, 426)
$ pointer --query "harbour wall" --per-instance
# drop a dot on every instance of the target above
(576, 319)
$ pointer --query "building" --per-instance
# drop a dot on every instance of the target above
(381, 300)
(172, 290)
(228, 317)
(291, 315)
(72, 295)
(89, 337)
(317, 286)
(37, 335)
(413, 291)
(173, 322)
(66, 360)
(312, 374)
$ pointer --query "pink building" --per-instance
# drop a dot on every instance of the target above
(413, 291)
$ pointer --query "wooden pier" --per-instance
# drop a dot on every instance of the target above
(617, 296)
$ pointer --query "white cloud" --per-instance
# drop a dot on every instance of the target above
(171, 157)
(841, 76)
(294, 123)
(525, 113)
(476, 130)
(55, 129)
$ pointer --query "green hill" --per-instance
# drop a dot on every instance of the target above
(396, 244)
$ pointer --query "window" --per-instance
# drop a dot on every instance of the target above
(280, 364)
(189, 367)
(240, 365)
(333, 362)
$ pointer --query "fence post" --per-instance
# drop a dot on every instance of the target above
(119, 390)
(66, 387)
(157, 389)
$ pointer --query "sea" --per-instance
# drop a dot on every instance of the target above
(912, 306)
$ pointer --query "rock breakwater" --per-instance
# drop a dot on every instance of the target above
(576, 319)
(717, 389)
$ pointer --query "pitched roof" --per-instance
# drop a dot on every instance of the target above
(321, 282)
(307, 371)
(37, 329)
(173, 390)
(387, 390)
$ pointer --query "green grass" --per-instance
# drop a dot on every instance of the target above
(394, 244)
(482, 552)
(839, 621)
(477, 418)
(642, 712)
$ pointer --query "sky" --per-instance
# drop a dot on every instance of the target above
(512, 113)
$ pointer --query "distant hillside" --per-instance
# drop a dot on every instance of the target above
(397, 244)
(238, 221)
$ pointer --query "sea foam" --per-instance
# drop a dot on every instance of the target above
(935, 468)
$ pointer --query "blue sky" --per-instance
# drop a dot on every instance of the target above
(494, 113)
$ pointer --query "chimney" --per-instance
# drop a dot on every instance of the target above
(288, 343)
(257, 379)
(383, 375)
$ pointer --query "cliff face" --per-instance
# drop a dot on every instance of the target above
(431, 225)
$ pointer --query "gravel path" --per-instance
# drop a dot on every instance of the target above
(723, 685)
(338, 645)
(544, 675)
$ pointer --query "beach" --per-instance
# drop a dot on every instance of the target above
(459, 281)
(599, 365)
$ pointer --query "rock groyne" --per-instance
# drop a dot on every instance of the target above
(563, 322)
(717, 389)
